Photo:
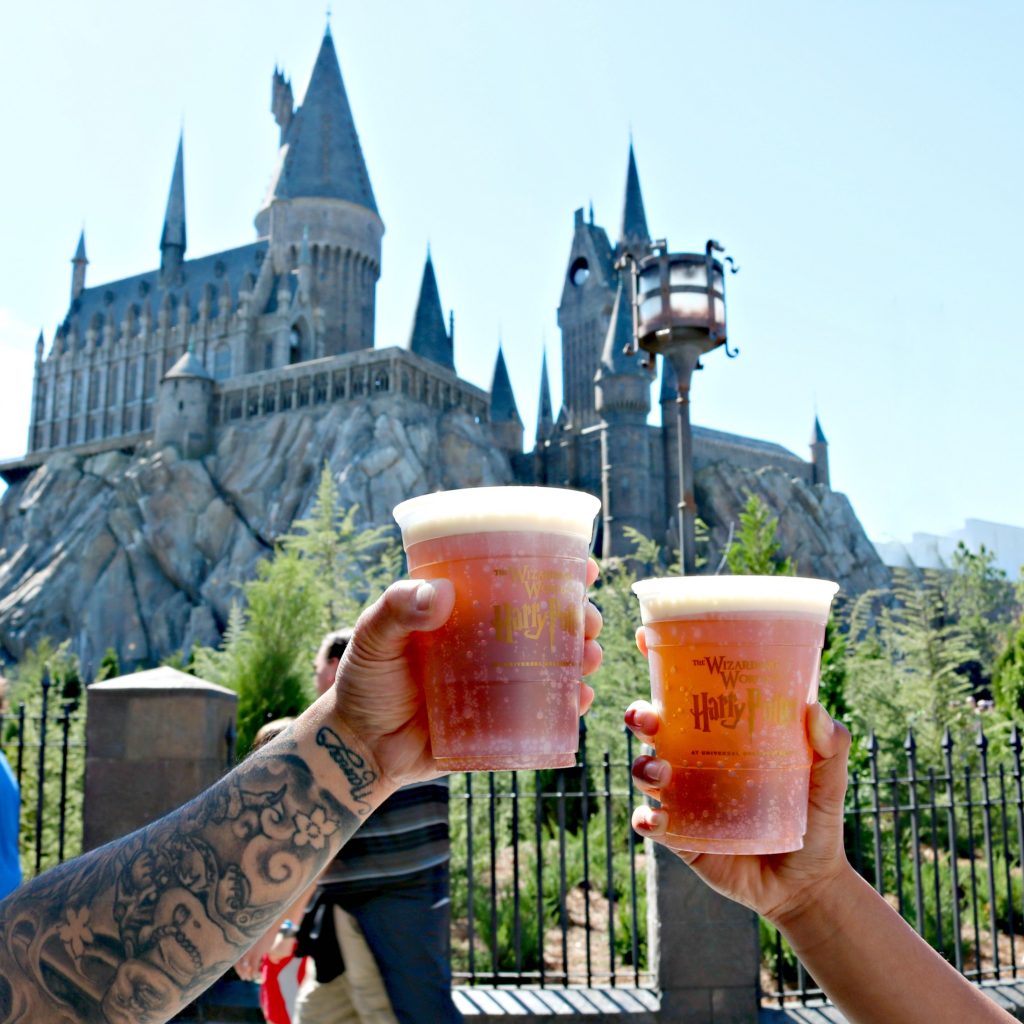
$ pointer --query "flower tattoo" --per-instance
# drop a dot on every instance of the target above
(313, 829)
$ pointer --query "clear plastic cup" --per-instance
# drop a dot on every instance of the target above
(502, 675)
(734, 663)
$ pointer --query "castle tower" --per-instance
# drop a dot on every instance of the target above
(78, 265)
(623, 399)
(633, 234)
(183, 408)
(545, 427)
(583, 316)
(321, 183)
(172, 237)
(506, 423)
(819, 455)
(429, 338)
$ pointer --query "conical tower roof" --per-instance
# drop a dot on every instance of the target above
(188, 366)
(80, 256)
(545, 417)
(634, 220)
(429, 338)
(174, 219)
(320, 153)
(817, 434)
(503, 401)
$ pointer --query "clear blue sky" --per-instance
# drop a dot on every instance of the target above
(862, 161)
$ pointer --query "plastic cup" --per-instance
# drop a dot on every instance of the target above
(502, 676)
(734, 663)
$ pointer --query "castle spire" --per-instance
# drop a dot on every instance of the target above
(78, 265)
(634, 221)
(545, 417)
(506, 423)
(819, 455)
(172, 238)
(620, 333)
(322, 156)
(429, 338)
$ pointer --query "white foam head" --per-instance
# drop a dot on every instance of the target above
(675, 597)
(497, 509)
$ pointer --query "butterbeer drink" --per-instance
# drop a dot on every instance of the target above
(734, 663)
(502, 676)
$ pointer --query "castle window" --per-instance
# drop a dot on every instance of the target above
(268, 356)
(235, 406)
(252, 403)
(579, 271)
(294, 345)
(302, 394)
(222, 363)
(339, 384)
(286, 395)
(269, 399)
(320, 388)
(380, 380)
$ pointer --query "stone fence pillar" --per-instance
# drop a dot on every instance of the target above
(153, 741)
(702, 948)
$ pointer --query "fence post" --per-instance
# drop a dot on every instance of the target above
(702, 948)
(153, 741)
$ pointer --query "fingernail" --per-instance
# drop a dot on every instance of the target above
(424, 597)
(656, 772)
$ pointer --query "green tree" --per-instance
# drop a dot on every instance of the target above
(981, 597)
(755, 548)
(905, 671)
(1008, 675)
(109, 667)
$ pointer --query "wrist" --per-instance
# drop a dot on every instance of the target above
(360, 771)
(817, 914)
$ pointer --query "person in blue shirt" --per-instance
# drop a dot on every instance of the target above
(10, 806)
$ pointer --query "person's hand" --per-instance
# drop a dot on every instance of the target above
(777, 886)
(248, 966)
(283, 947)
(376, 693)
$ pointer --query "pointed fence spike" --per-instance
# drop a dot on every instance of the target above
(982, 741)
(872, 744)
(947, 740)
(1015, 743)
(910, 743)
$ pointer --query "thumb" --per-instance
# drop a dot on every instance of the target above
(406, 607)
(831, 743)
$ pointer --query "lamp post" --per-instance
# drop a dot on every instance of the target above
(679, 312)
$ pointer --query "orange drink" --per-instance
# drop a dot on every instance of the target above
(502, 676)
(734, 663)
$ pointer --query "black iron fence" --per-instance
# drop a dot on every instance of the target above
(943, 842)
(548, 883)
(43, 741)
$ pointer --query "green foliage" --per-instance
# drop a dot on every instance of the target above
(65, 710)
(110, 666)
(1008, 675)
(755, 548)
(981, 598)
(904, 671)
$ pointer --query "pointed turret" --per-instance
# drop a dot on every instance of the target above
(819, 455)
(172, 238)
(633, 234)
(623, 400)
(320, 148)
(39, 346)
(506, 423)
(545, 417)
(78, 265)
(429, 338)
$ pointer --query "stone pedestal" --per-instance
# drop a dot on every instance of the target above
(702, 948)
(153, 741)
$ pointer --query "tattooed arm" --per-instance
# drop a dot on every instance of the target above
(132, 932)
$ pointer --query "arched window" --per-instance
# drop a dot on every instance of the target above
(295, 345)
(268, 356)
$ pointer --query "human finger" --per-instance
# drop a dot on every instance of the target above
(586, 697)
(641, 640)
(406, 607)
(651, 775)
(651, 822)
(643, 721)
(593, 571)
(593, 654)
(592, 620)
(830, 741)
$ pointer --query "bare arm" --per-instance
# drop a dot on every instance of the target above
(134, 931)
(869, 961)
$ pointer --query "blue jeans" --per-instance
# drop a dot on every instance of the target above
(408, 929)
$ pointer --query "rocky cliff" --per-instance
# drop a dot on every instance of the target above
(144, 552)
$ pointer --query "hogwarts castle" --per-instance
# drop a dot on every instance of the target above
(285, 324)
